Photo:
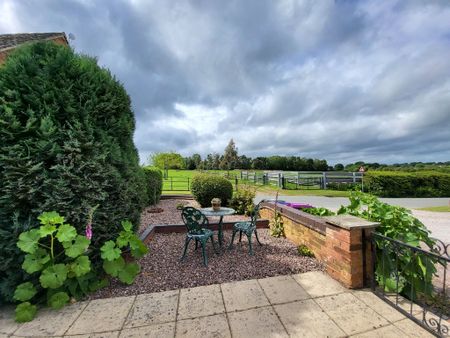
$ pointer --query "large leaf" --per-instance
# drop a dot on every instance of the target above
(25, 312)
(51, 217)
(127, 226)
(28, 241)
(25, 291)
(129, 273)
(77, 247)
(138, 248)
(113, 267)
(35, 262)
(58, 300)
(54, 276)
(47, 229)
(81, 266)
(109, 251)
(66, 233)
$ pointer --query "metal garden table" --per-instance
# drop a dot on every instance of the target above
(218, 213)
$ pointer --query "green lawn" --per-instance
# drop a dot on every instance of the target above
(179, 181)
(444, 208)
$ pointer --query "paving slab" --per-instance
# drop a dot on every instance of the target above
(318, 284)
(212, 326)
(49, 322)
(243, 295)
(102, 315)
(351, 314)
(412, 329)
(306, 319)
(282, 289)
(389, 331)
(259, 322)
(200, 301)
(7, 322)
(380, 306)
(113, 334)
(150, 331)
(153, 308)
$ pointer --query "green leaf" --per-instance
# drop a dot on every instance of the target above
(138, 248)
(51, 217)
(76, 248)
(123, 239)
(47, 229)
(127, 226)
(109, 251)
(129, 273)
(28, 241)
(35, 262)
(81, 266)
(113, 267)
(98, 284)
(54, 276)
(66, 233)
(25, 291)
(58, 300)
(25, 312)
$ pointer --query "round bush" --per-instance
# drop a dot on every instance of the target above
(205, 187)
(154, 183)
(66, 145)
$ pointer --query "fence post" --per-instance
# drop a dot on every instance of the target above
(280, 180)
(324, 183)
(354, 177)
(171, 183)
(189, 187)
(236, 182)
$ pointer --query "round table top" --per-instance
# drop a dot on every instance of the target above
(221, 212)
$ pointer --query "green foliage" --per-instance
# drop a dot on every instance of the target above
(276, 225)
(66, 144)
(303, 250)
(242, 200)
(415, 269)
(58, 264)
(344, 186)
(408, 184)
(230, 157)
(170, 160)
(205, 187)
(319, 211)
(154, 183)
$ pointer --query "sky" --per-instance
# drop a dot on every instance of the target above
(338, 80)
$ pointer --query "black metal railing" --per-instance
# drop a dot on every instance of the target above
(413, 280)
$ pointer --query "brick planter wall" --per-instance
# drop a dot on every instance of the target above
(336, 240)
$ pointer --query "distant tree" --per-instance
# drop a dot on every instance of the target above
(170, 160)
(338, 167)
(215, 161)
(197, 159)
(244, 162)
(230, 157)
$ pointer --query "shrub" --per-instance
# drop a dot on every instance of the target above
(303, 250)
(205, 187)
(66, 144)
(242, 200)
(276, 225)
(407, 184)
(154, 183)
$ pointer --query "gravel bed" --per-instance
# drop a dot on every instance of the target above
(161, 268)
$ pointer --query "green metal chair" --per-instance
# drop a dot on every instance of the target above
(248, 228)
(196, 223)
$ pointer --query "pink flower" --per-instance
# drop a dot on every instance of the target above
(89, 231)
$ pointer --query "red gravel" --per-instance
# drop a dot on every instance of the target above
(162, 269)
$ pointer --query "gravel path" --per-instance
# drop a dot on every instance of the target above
(162, 269)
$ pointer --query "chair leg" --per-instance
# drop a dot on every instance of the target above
(205, 259)
(232, 239)
(214, 245)
(249, 236)
(186, 243)
(240, 236)
(257, 239)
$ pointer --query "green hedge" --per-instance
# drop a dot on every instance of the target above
(154, 183)
(205, 187)
(407, 184)
(66, 140)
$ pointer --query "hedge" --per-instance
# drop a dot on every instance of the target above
(154, 183)
(67, 146)
(407, 184)
(205, 187)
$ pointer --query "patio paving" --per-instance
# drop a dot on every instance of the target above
(311, 304)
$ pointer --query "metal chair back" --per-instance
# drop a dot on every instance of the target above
(194, 219)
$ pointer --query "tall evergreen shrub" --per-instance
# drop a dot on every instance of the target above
(154, 183)
(66, 144)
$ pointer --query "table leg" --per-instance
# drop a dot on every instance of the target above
(220, 231)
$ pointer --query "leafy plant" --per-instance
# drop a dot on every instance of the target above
(277, 225)
(181, 205)
(205, 187)
(242, 200)
(154, 183)
(303, 250)
(319, 211)
(415, 270)
(59, 268)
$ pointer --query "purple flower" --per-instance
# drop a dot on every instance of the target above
(89, 231)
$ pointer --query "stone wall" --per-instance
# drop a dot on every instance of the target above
(338, 241)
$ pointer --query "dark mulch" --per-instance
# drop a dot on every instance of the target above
(162, 269)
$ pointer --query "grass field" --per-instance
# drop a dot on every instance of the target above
(444, 208)
(178, 179)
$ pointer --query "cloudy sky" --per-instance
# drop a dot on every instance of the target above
(339, 80)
